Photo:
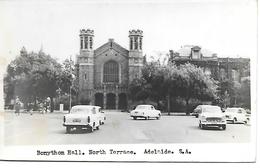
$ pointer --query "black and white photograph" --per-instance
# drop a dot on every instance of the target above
(145, 81)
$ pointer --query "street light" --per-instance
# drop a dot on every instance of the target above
(71, 82)
(72, 78)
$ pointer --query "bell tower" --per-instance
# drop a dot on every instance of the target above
(135, 54)
(85, 62)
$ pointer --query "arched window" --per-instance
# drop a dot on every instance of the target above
(111, 72)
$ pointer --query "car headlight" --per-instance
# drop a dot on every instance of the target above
(203, 118)
(223, 118)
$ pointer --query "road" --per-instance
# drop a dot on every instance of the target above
(119, 128)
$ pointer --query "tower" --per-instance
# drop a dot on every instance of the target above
(135, 54)
(85, 63)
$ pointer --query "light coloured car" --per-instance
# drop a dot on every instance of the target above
(211, 116)
(146, 112)
(237, 115)
(84, 116)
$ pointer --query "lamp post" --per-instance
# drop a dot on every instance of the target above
(71, 83)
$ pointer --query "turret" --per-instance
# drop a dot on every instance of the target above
(135, 54)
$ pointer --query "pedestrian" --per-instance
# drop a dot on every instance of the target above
(17, 107)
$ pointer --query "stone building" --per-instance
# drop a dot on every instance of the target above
(219, 68)
(105, 72)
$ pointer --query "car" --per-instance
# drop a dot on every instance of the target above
(146, 112)
(237, 115)
(211, 116)
(84, 117)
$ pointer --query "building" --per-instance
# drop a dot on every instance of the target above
(105, 72)
(219, 68)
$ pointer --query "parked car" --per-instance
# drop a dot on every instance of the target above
(84, 116)
(211, 116)
(146, 112)
(237, 115)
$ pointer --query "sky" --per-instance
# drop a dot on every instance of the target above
(225, 27)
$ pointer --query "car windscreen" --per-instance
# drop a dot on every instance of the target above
(80, 111)
(211, 109)
(143, 107)
(231, 110)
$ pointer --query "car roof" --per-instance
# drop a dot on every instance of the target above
(206, 105)
(236, 108)
(144, 105)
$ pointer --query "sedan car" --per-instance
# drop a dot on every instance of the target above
(236, 115)
(146, 112)
(83, 116)
(210, 116)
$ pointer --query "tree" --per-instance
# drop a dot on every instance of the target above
(244, 98)
(33, 77)
(194, 83)
(164, 82)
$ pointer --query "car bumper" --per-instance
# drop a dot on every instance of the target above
(207, 123)
(77, 125)
(140, 116)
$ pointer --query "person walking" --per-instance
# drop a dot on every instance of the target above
(17, 107)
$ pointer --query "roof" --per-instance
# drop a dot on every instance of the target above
(111, 45)
(185, 51)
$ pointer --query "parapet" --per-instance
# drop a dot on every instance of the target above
(87, 32)
(136, 32)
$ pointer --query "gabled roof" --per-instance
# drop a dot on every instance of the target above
(111, 45)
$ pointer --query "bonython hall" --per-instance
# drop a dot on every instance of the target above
(105, 72)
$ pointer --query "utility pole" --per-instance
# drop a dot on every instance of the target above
(70, 85)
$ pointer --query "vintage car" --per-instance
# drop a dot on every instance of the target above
(84, 116)
(236, 115)
(146, 112)
(210, 116)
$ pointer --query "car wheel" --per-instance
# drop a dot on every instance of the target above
(146, 118)
(197, 116)
(97, 128)
(245, 122)
(134, 118)
(68, 129)
(202, 126)
(100, 122)
(224, 127)
(91, 129)
(234, 120)
(158, 117)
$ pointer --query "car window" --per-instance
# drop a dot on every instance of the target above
(152, 107)
(93, 110)
(211, 109)
(239, 111)
(78, 110)
(231, 110)
(143, 107)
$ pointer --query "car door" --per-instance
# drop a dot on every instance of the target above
(153, 112)
(241, 114)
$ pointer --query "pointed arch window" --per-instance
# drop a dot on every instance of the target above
(111, 72)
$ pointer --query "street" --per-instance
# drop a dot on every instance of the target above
(119, 128)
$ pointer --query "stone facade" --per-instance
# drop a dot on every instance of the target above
(219, 68)
(104, 73)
